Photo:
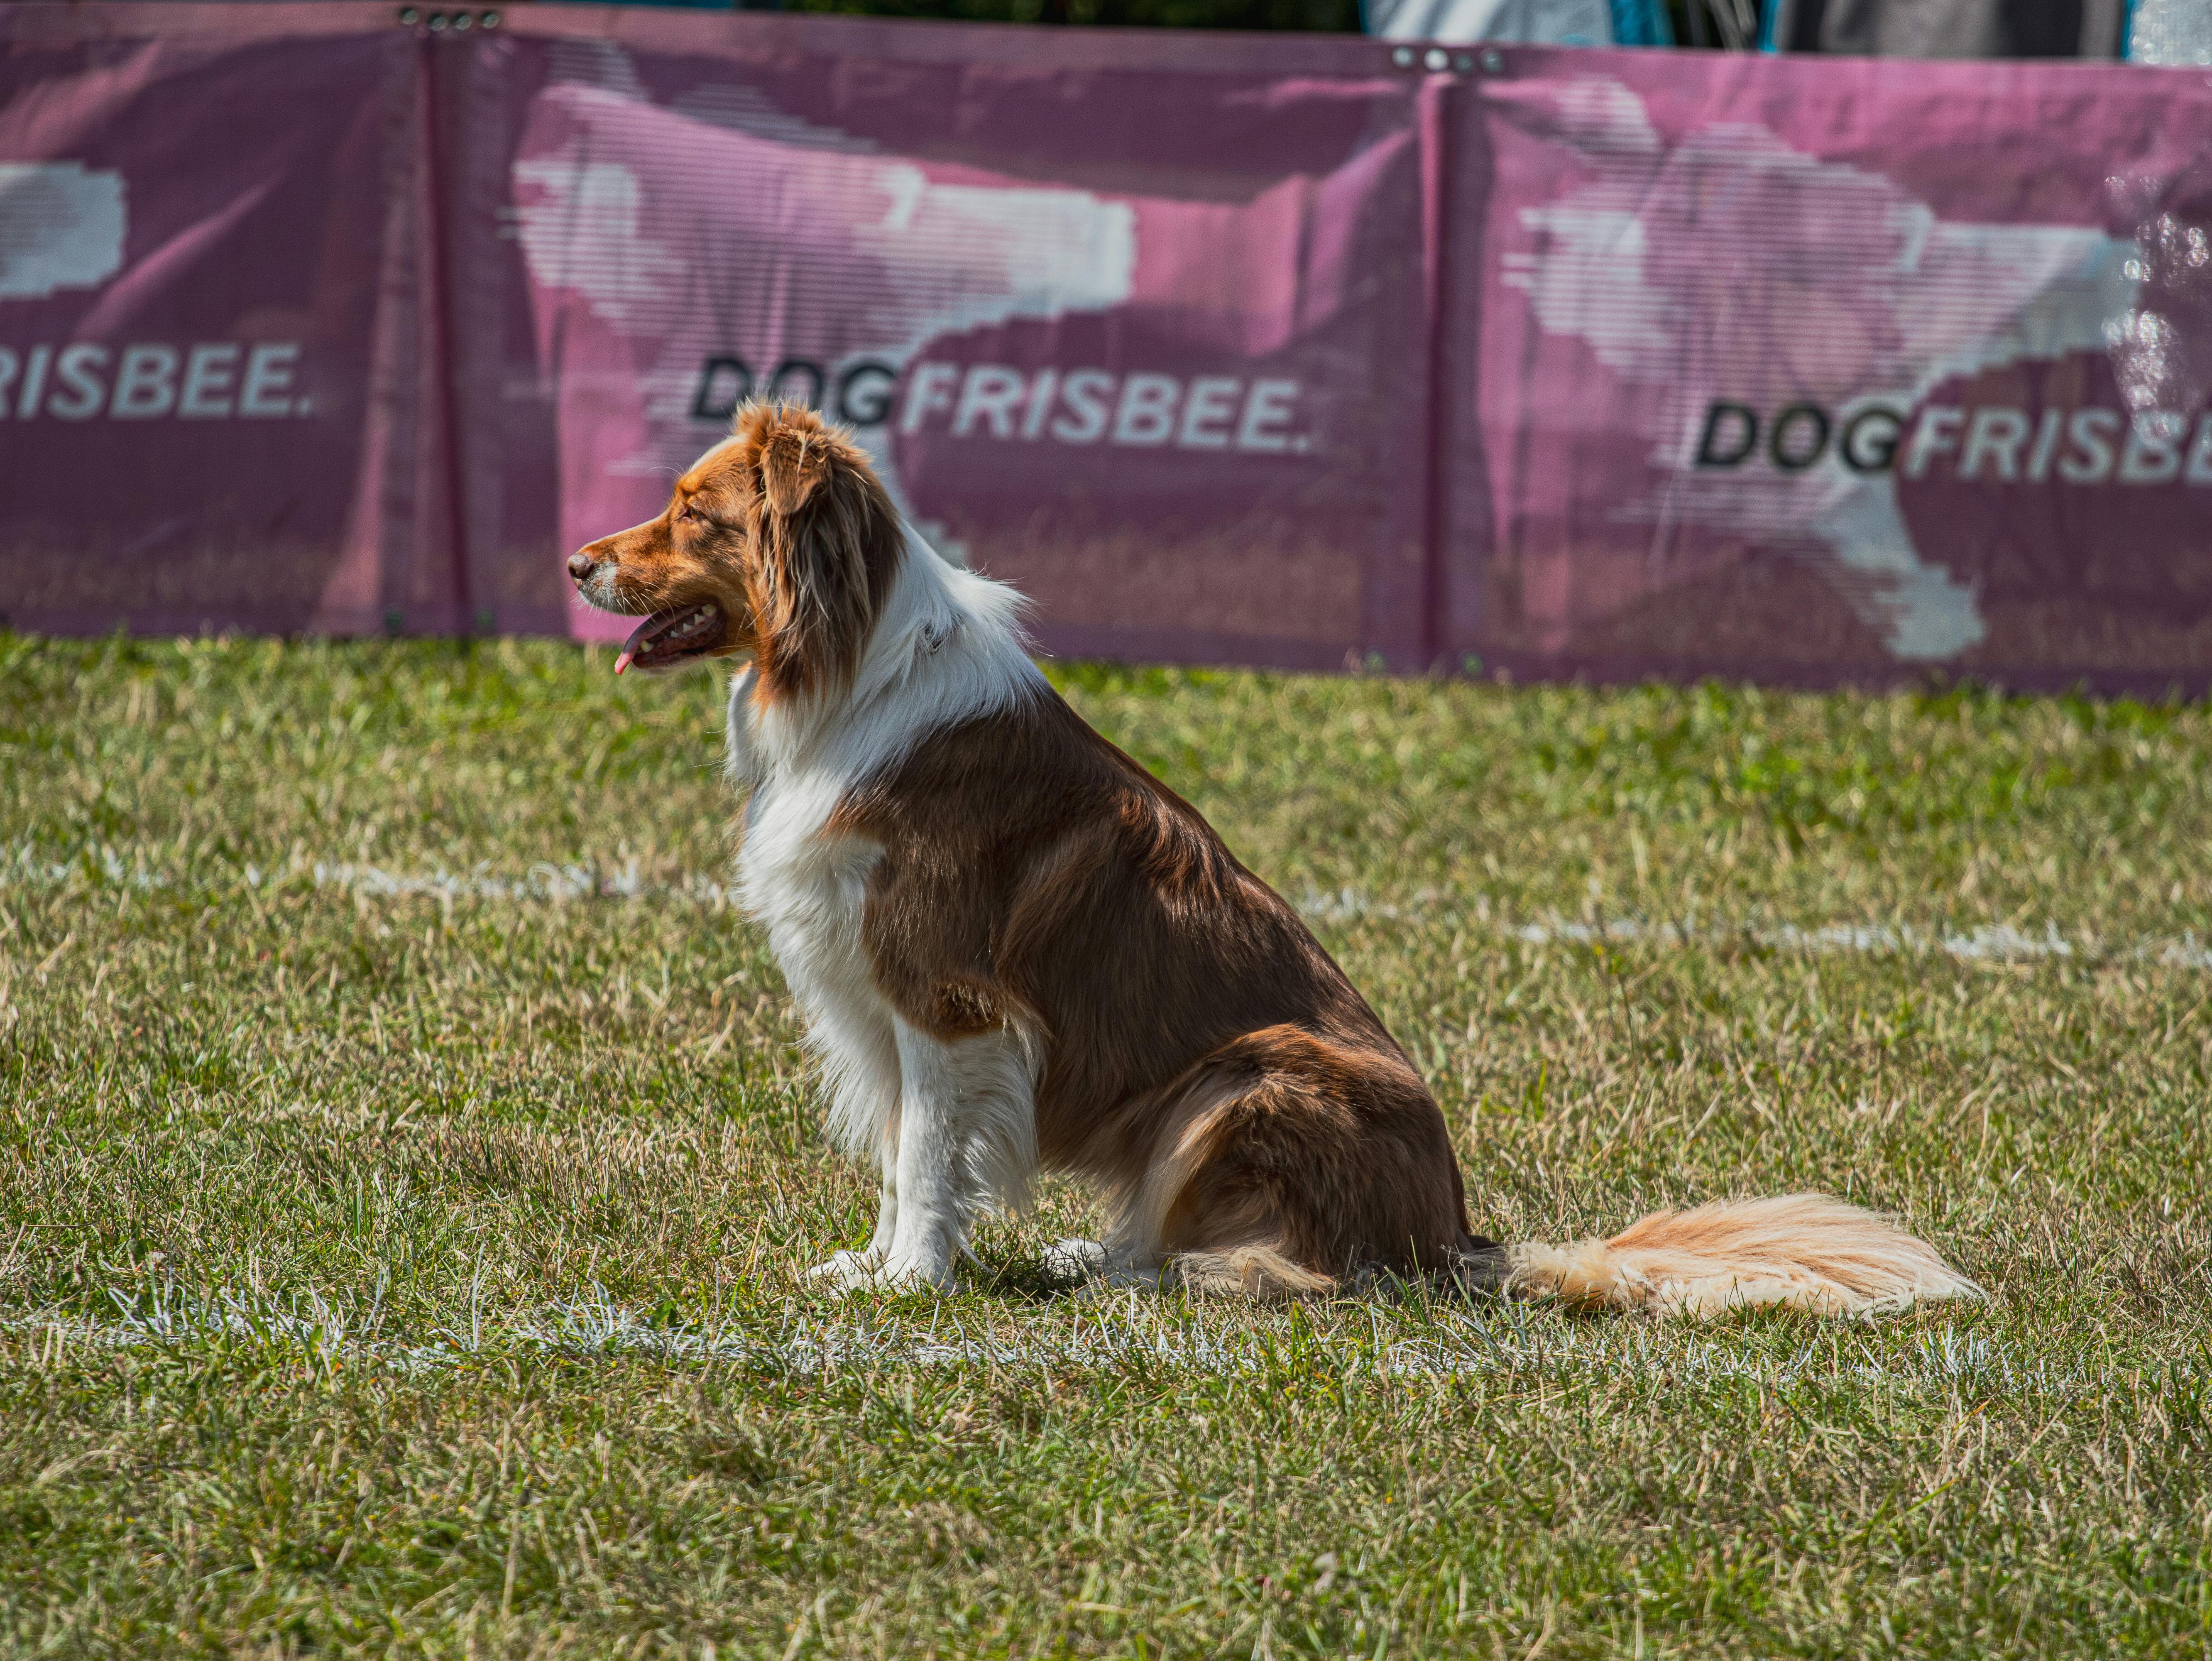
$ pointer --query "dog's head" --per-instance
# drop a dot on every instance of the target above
(779, 543)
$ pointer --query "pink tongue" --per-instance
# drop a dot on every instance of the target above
(637, 639)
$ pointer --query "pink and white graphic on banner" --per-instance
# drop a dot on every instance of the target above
(1139, 371)
(1804, 365)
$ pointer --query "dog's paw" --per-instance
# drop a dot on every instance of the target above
(1091, 1270)
(847, 1271)
(855, 1271)
(914, 1272)
(1075, 1260)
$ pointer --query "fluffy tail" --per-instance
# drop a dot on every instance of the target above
(1800, 1251)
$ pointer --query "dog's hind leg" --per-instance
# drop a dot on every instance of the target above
(1327, 1163)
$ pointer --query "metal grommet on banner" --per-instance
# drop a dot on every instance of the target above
(1464, 62)
(408, 17)
(1435, 58)
(463, 20)
(1402, 57)
(1494, 62)
(489, 21)
(437, 22)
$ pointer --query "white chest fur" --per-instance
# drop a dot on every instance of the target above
(807, 886)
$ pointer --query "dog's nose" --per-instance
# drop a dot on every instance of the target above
(581, 565)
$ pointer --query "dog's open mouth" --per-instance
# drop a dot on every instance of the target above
(668, 638)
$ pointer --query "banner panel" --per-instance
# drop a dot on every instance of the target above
(1138, 324)
(1263, 351)
(203, 245)
(1818, 370)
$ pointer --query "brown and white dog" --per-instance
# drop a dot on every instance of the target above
(1015, 949)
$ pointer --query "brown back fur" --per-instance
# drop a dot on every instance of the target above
(1031, 871)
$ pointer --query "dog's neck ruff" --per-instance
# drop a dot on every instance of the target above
(948, 647)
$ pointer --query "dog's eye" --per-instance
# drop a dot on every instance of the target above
(691, 511)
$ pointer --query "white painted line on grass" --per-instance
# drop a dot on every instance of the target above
(1991, 942)
(587, 880)
(101, 866)
(1126, 1329)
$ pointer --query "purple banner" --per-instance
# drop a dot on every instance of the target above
(208, 362)
(1813, 370)
(1135, 323)
(1275, 350)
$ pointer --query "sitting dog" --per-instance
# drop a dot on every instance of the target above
(1015, 948)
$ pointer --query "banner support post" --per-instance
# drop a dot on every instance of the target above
(1434, 131)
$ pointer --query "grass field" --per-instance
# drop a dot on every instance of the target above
(405, 1167)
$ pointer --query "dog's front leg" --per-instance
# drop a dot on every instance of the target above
(880, 1243)
(962, 1138)
(929, 1201)
(851, 1269)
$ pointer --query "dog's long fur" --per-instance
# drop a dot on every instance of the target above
(1016, 949)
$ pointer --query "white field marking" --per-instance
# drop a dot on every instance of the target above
(1988, 942)
(101, 866)
(1128, 1329)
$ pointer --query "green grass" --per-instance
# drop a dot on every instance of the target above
(390, 1265)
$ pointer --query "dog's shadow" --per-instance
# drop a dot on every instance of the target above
(1027, 1279)
(1067, 1272)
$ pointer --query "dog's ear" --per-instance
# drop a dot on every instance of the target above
(791, 465)
(828, 541)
